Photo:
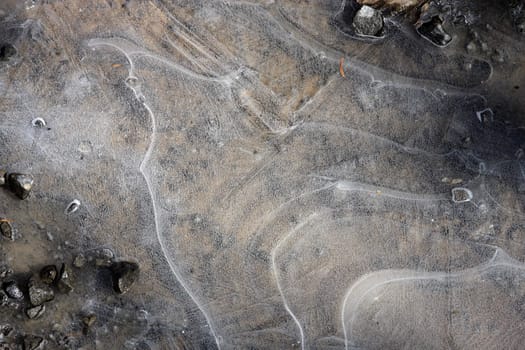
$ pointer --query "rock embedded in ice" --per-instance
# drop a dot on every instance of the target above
(124, 274)
(6, 229)
(13, 290)
(20, 184)
(433, 30)
(64, 282)
(368, 21)
(39, 293)
(48, 274)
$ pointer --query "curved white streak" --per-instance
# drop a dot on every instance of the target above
(407, 149)
(147, 156)
(387, 192)
(135, 51)
(343, 186)
(500, 258)
(275, 270)
(160, 238)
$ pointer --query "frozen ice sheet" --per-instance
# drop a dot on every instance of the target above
(271, 202)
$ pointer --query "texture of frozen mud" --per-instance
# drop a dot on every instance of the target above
(281, 181)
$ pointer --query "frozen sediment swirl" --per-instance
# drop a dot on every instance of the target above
(131, 51)
(440, 71)
(375, 310)
(337, 239)
(260, 205)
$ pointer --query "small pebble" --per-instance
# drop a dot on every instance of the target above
(79, 261)
(89, 320)
(20, 184)
(124, 274)
(35, 312)
(104, 257)
(433, 30)
(33, 342)
(48, 274)
(5, 271)
(64, 282)
(12, 290)
(6, 229)
(38, 292)
(6, 330)
(7, 51)
(368, 21)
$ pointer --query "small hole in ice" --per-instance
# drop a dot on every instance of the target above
(482, 168)
(38, 122)
(72, 207)
(461, 195)
(132, 81)
(485, 116)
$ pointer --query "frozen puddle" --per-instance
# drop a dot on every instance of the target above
(282, 182)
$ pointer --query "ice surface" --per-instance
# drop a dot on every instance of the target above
(271, 202)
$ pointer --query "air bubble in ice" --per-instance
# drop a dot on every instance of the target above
(132, 81)
(482, 168)
(85, 147)
(72, 207)
(485, 116)
(461, 195)
(38, 122)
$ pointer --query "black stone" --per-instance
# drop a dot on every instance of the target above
(433, 31)
(20, 184)
(12, 290)
(6, 229)
(48, 274)
(7, 51)
(65, 279)
(124, 274)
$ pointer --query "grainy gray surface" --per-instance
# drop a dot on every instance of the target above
(282, 182)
